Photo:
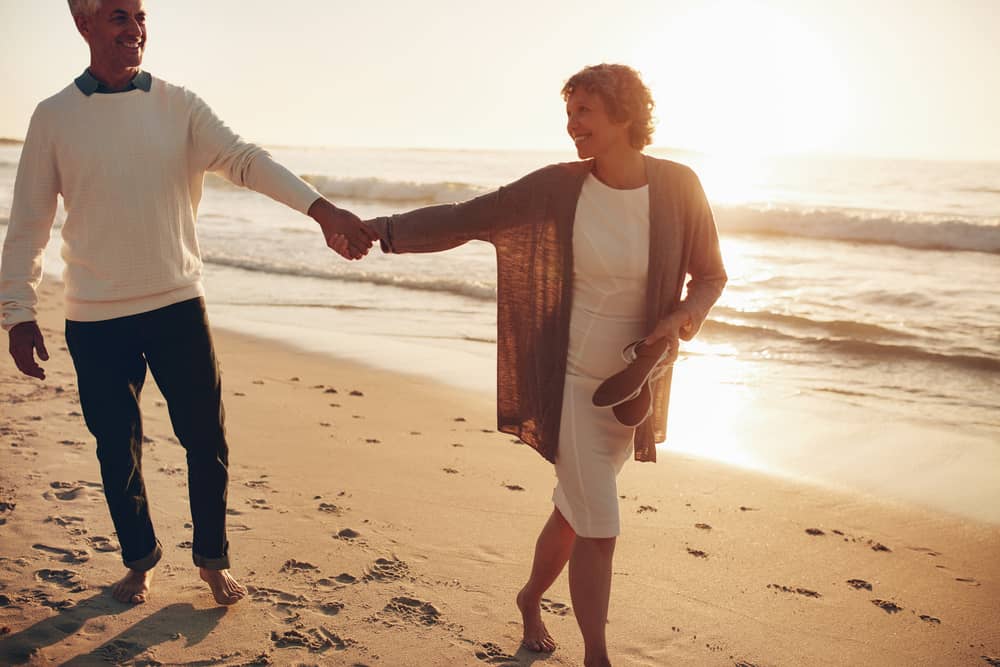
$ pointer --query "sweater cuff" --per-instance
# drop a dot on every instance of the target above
(17, 315)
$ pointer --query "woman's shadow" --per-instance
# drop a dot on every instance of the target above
(162, 626)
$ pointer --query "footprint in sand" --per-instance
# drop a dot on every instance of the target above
(887, 606)
(295, 566)
(697, 553)
(332, 608)
(347, 534)
(63, 578)
(702, 526)
(275, 596)
(450, 471)
(925, 550)
(384, 569)
(646, 508)
(104, 544)
(930, 619)
(968, 580)
(71, 556)
(557, 608)
(413, 610)
(514, 487)
(313, 639)
(814, 531)
(492, 654)
(859, 584)
(805, 592)
(331, 508)
(993, 662)
(258, 503)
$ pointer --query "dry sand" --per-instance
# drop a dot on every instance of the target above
(378, 519)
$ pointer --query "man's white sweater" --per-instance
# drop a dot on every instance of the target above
(130, 168)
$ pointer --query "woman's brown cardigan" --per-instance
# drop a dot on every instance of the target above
(530, 223)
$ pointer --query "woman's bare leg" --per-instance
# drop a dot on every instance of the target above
(552, 551)
(590, 590)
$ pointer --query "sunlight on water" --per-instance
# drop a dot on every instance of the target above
(710, 396)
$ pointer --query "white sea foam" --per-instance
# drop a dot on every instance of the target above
(377, 189)
(917, 231)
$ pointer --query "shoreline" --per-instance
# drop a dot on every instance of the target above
(388, 523)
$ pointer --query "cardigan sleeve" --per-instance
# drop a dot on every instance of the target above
(33, 210)
(708, 275)
(436, 228)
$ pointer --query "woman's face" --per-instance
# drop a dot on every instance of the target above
(590, 127)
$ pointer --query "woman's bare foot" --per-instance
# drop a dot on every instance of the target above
(133, 587)
(536, 635)
(225, 589)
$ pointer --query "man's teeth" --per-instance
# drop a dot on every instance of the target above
(580, 137)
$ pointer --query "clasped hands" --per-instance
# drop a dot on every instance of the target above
(345, 233)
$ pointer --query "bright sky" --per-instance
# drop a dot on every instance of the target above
(908, 78)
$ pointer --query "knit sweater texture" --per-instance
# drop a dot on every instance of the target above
(130, 168)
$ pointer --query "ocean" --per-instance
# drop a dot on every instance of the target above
(868, 287)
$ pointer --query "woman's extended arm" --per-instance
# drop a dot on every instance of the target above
(436, 228)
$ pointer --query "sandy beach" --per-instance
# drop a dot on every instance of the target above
(379, 519)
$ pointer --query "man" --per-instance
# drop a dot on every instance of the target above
(128, 153)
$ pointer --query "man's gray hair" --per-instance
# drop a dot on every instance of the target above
(84, 7)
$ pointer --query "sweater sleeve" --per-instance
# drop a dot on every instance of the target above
(36, 196)
(437, 228)
(708, 275)
(215, 147)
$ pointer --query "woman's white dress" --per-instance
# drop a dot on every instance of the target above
(610, 261)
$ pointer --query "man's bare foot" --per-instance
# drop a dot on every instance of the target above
(133, 587)
(536, 635)
(225, 589)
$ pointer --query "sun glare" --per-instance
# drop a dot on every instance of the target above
(738, 78)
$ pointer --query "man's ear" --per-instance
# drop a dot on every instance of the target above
(83, 24)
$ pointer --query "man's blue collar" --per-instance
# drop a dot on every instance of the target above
(89, 85)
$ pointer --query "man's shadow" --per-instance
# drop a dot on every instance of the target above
(157, 628)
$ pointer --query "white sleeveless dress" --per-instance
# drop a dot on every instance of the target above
(610, 262)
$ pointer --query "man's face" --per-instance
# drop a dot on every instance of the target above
(116, 34)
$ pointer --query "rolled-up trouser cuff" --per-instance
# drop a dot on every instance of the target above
(211, 563)
(147, 562)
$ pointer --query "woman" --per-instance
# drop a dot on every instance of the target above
(591, 256)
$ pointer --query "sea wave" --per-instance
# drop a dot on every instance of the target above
(921, 232)
(378, 189)
(869, 350)
(827, 328)
(470, 289)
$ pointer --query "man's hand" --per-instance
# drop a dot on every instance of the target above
(25, 338)
(344, 231)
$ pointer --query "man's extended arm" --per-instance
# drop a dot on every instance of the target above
(217, 148)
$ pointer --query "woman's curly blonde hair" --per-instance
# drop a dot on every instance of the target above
(625, 97)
